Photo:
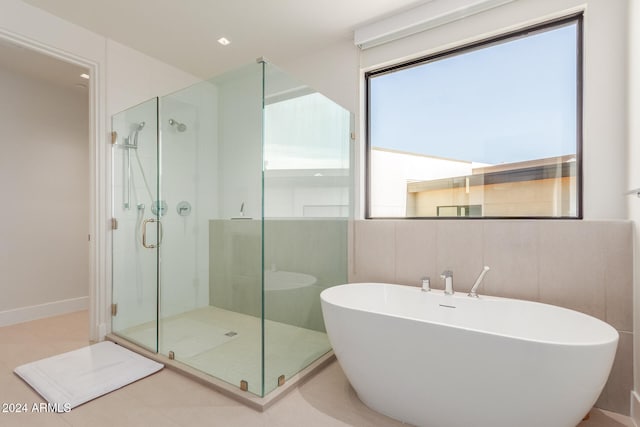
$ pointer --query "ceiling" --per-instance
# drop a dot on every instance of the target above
(23, 61)
(185, 33)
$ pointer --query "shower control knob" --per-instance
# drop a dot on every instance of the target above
(183, 208)
(159, 208)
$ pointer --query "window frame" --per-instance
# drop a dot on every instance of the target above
(578, 19)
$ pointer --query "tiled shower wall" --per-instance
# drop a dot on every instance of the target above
(582, 265)
(315, 247)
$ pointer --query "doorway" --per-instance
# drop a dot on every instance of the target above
(44, 180)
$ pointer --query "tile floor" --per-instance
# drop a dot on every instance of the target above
(169, 399)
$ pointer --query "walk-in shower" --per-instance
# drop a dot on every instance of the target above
(236, 300)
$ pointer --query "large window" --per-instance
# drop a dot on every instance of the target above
(491, 129)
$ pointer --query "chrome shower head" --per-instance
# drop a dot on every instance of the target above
(181, 127)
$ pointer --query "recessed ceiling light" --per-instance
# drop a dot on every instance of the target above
(224, 41)
(84, 76)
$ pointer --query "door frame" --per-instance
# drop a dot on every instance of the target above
(99, 177)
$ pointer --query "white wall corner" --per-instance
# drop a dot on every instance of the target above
(333, 71)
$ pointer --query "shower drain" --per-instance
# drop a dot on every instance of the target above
(231, 334)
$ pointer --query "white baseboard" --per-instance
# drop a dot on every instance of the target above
(635, 408)
(34, 312)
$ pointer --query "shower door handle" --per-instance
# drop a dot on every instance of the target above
(144, 233)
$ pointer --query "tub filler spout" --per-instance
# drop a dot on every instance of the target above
(447, 276)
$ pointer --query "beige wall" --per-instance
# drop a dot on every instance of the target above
(581, 265)
(44, 182)
(543, 197)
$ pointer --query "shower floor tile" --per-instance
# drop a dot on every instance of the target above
(190, 337)
(228, 345)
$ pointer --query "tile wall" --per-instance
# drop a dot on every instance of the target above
(314, 247)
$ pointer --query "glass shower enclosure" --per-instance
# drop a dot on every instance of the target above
(231, 201)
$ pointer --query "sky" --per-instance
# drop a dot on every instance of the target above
(510, 102)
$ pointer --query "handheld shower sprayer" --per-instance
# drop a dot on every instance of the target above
(474, 290)
(138, 127)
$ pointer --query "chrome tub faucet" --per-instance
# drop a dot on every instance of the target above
(447, 276)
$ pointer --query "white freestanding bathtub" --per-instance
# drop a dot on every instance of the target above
(438, 360)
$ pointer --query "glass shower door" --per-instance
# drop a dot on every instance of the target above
(136, 227)
(211, 259)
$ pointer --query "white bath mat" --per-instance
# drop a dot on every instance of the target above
(71, 379)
